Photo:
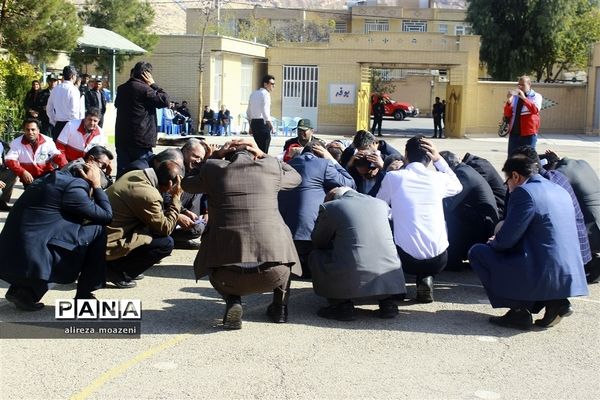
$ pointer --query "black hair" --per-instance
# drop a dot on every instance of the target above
(390, 159)
(69, 72)
(97, 151)
(94, 112)
(32, 121)
(415, 152)
(267, 78)
(450, 158)
(529, 152)
(140, 67)
(521, 164)
(363, 139)
(167, 172)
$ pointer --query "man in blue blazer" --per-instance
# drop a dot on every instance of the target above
(299, 206)
(533, 261)
(55, 233)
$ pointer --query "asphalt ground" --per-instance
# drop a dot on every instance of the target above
(443, 350)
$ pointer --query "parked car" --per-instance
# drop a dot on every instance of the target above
(397, 109)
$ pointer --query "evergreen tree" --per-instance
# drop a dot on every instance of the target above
(130, 19)
(518, 36)
(38, 28)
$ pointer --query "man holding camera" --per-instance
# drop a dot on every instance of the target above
(523, 107)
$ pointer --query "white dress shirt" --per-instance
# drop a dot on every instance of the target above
(259, 105)
(415, 195)
(65, 103)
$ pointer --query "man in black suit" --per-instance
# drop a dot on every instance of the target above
(586, 185)
(471, 215)
(55, 233)
(492, 177)
(95, 98)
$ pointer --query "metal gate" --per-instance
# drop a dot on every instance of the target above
(363, 109)
(300, 92)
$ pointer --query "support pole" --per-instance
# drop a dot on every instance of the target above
(113, 77)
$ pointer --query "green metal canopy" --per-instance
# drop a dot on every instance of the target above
(100, 38)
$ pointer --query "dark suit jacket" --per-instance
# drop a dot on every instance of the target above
(299, 207)
(136, 104)
(475, 206)
(586, 186)
(244, 224)
(355, 254)
(535, 255)
(492, 177)
(91, 100)
(53, 211)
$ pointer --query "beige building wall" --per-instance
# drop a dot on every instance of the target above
(418, 91)
(566, 116)
(175, 62)
(592, 118)
(339, 62)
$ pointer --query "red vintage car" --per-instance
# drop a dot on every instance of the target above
(393, 108)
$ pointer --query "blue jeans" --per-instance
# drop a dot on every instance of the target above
(515, 141)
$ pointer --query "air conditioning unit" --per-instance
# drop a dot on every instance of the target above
(442, 78)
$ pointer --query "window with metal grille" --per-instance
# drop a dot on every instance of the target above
(463, 30)
(414, 26)
(301, 81)
(377, 25)
(341, 27)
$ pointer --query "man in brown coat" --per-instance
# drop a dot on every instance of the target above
(246, 247)
(138, 236)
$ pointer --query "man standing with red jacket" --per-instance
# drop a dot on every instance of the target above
(523, 108)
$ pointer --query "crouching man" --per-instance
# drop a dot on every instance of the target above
(246, 247)
(55, 233)
(355, 256)
(534, 261)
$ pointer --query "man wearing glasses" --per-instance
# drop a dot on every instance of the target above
(259, 113)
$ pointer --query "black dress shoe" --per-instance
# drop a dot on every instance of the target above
(85, 296)
(135, 278)
(119, 279)
(341, 311)
(4, 206)
(514, 318)
(23, 304)
(592, 270)
(387, 309)
(425, 289)
(278, 313)
(233, 313)
(192, 244)
(555, 311)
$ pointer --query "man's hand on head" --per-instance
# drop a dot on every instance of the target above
(91, 173)
(321, 151)
(430, 149)
(147, 77)
(176, 189)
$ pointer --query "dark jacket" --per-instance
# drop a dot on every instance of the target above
(91, 100)
(299, 207)
(586, 186)
(492, 177)
(55, 211)
(136, 104)
(355, 255)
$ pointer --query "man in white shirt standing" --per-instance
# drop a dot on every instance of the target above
(65, 103)
(415, 195)
(259, 113)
